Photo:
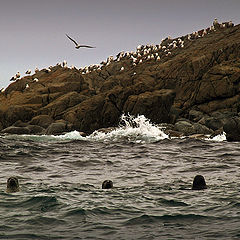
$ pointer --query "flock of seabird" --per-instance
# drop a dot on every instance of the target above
(148, 52)
(142, 54)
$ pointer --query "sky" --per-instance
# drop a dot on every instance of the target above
(33, 31)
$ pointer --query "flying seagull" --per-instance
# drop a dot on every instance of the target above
(77, 45)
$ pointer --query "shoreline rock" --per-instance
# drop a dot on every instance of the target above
(190, 82)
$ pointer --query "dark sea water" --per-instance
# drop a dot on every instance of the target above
(61, 195)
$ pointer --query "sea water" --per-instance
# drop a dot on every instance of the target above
(61, 197)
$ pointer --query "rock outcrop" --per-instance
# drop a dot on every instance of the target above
(232, 129)
(192, 81)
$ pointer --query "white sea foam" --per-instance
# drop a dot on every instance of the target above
(133, 129)
(218, 138)
(74, 135)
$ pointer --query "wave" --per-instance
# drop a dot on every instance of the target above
(39, 203)
(131, 129)
(149, 219)
(218, 138)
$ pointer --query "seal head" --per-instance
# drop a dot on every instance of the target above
(199, 183)
(107, 184)
(12, 185)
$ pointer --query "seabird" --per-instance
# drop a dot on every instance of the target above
(64, 64)
(77, 45)
(13, 78)
(35, 79)
(28, 71)
(18, 75)
(215, 21)
(216, 24)
(110, 59)
(47, 70)
(231, 24)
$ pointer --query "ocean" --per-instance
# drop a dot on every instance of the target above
(60, 181)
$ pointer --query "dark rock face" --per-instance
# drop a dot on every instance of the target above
(192, 77)
(153, 105)
(232, 129)
(35, 129)
(15, 113)
(16, 130)
(57, 128)
(28, 129)
(41, 120)
(189, 128)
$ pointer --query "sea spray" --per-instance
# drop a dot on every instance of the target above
(218, 138)
(132, 129)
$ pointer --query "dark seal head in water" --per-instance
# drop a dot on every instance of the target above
(12, 185)
(107, 184)
(199, 183)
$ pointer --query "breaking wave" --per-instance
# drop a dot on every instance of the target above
(131, 129)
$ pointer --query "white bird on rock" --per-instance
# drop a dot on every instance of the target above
(28, 71)
(13, 78)
(18, 75)
(64, 64)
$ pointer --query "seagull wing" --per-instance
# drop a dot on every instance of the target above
(86, 46)
(72, 40)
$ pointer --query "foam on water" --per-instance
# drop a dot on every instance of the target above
(218, 138)
(133, 129)
(74, 135)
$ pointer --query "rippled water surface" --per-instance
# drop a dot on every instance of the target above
(61, 195)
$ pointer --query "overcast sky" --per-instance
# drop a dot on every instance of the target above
(33, 31)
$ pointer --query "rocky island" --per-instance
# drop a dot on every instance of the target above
(190, 83)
